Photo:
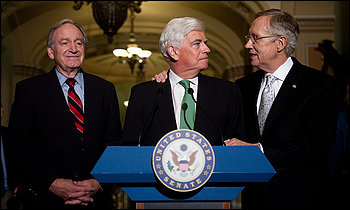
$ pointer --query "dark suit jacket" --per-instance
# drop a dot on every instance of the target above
(220, 99)
(12, 174)
(298, 132)
(43, 132)
(11, 169)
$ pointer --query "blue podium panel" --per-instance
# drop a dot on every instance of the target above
(146, 194)
(241, 164)
(128, 164)
(125, 164)
(131, 167)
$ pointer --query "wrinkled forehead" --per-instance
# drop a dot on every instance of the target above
(196, 35)
(260, 25)
(67, 30)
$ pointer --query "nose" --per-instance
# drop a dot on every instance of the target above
(249, 44)
(73, 48)
(206, 49)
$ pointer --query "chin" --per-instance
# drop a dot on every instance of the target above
(204, 66)
(254, 63)
(75, 65)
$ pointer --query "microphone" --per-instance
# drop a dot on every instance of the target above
(184, 107)
(190, 91)
(154, 108)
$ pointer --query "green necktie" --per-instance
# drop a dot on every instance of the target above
(188, 108)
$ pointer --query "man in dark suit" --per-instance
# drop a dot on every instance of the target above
(58, 152)
(9, 183)
(300, 124)
(154, 108)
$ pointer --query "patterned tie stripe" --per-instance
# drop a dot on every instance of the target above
(190, 111)
(267, 98)
(75, 106)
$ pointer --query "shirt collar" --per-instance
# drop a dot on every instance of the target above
(174, 79)
(62, 79)
(282, 71)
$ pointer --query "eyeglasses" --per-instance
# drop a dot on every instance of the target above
(255, 38)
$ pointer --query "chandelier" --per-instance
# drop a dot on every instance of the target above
(133, 54)
(110, 15)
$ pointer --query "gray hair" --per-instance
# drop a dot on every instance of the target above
(282, 23)
(176, 31)
(50, 41)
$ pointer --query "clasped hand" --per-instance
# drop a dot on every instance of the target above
(75, 192)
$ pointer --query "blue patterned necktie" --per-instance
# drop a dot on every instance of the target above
(188, 109)
(267, 98)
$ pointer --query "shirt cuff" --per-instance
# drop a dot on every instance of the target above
(260, 147)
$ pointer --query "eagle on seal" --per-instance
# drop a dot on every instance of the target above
(183, 165)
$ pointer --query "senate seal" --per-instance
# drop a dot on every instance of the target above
(183, 160)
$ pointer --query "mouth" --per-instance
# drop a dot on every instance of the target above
(73, 57)
(252, 55)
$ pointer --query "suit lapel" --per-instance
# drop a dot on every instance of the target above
(202, 94)
(253, 96)
(286, 92)
(55, 93)
(91, 94)
(255, 90)
(166, 113)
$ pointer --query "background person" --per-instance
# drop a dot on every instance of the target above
(9, 182)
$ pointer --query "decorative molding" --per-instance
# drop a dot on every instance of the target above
(26, 70)
(6, 9)
(316, 22)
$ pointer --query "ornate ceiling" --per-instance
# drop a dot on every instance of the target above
(25, 25)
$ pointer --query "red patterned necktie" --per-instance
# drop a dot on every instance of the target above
(75, 107)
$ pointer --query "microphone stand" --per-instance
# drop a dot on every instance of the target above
(190, 91)
(184, 107)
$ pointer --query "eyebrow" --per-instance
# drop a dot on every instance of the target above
(200, 40)
(67, 39)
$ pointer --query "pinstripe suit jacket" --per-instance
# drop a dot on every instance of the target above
(299, 129)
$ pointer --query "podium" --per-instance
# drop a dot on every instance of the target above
(131, 168)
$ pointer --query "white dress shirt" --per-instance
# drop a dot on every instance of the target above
(281, 74)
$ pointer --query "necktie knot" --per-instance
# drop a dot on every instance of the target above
(270, 79)
(70, 82)
(185, 83)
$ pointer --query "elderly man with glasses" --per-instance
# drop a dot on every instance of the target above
(291, 111)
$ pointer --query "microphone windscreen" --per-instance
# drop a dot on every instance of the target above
(184, 106)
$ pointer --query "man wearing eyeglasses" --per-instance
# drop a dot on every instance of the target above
(291, 111)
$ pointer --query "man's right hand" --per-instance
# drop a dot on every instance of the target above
(71, 192)
(161, 77)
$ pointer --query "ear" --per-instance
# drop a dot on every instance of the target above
(173, 53)
(50, 53)
(281, 43)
